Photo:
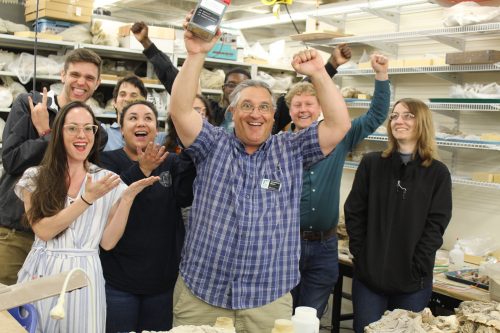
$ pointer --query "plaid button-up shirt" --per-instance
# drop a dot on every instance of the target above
(242, 244)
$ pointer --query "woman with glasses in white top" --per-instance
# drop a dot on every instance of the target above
(73, 206)
(398, 209)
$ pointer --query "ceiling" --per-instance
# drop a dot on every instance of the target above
(172, 12)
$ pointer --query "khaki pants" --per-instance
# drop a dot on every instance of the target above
(14, 247)
(190, 310)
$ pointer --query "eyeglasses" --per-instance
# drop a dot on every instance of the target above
(404, 116)
(263, 108)
(230, 85)
(75, 129)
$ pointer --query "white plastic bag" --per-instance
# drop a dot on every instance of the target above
(469, 12)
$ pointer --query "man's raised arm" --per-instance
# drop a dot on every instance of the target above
(187, 121)
(337, 122)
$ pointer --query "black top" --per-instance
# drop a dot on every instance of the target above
(146, 259)
(396, 215)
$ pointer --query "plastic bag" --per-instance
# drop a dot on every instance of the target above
(79, 33)
(469, 12)
(267, 78)
(212, 79)
(478, 246)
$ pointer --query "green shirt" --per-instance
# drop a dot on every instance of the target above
(319, 204)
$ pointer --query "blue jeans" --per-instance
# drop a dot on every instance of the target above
(319, 271)
(131, 312)
(369, 306)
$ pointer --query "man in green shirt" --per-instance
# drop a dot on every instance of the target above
(319, 205)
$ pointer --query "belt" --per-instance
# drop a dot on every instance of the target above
(311, 235)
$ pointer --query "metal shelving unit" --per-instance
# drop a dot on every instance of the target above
(10, 41)
(467, 107)
(449, 143)
(408, 36)
(426, 70)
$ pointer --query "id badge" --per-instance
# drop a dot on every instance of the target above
(270, 184)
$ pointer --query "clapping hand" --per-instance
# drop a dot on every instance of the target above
(151, 158)
(136, 187)
(97, 189)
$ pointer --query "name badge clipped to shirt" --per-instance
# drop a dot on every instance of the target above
(269, 184)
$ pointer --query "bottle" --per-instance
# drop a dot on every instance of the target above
(456, 257)
(207, 17)
(283, 326)
(305, 320)
(225, 324)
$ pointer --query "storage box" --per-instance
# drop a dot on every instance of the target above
(162, 37)
(165, 45)
(473, 57)
(60, 7)
(51, 26)
(153, 32)
(417, 62)
(55, 14)
(482, 177)
(80, 3)
(223, 51)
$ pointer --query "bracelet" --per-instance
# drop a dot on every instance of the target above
(88, 203)
(45, 133)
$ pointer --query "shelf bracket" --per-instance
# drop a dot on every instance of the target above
(390, 48)
(456, 43)
(391, 16)
(337, 22)
(450, 77)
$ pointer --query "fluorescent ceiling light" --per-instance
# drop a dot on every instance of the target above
(325, 10)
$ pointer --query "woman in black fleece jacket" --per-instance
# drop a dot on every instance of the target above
(396, 214)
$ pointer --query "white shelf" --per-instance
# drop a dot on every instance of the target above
(349, 165)
(39, 76)
(147, 85)
(115, 52)
(4, 109)
(425, 70)
(11, 41)
(468, 107)
(414, 35)
(448, 143)
(211, 91)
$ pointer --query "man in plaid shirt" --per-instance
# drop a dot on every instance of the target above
(242, 247)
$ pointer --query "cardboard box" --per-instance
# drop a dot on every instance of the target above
(417, 62)
(153, 32)
(496, 178)
(130, 42)
(58, 15)
(55, 6)
(41, 35)
(482, 177)
(473, 57)
(396, 63)
(81, 3)
(162, 37)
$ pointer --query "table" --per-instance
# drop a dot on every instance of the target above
(446, 293)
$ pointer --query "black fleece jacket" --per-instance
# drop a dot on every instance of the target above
(396, 215)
